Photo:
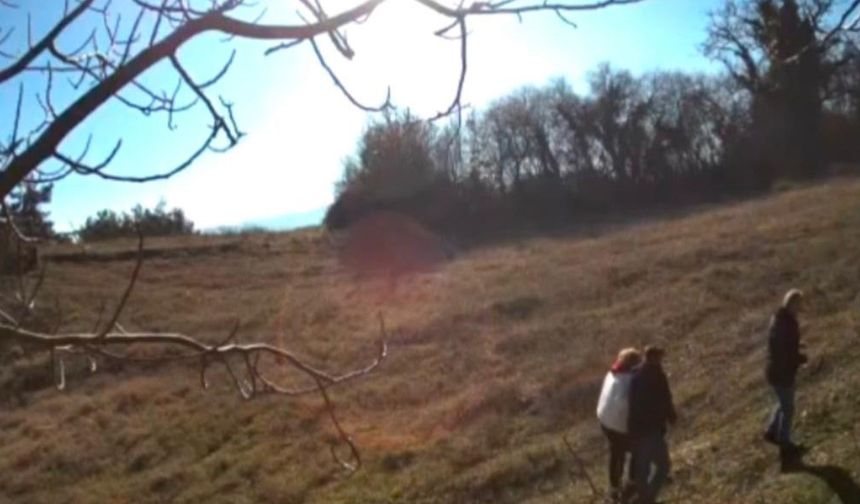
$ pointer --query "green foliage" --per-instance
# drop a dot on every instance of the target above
(26, 208)
(151, 222)
(401, 164)
(244, 230)
(393, 159)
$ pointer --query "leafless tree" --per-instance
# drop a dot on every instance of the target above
(750, 37)
(786, 54)
(89, 57)
(109, 65)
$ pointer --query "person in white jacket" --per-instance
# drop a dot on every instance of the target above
(612, 411)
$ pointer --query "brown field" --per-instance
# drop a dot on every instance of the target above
(494, 356)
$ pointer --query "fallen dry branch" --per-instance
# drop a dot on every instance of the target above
(596, 495)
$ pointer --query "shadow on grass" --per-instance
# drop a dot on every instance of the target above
(838, 479)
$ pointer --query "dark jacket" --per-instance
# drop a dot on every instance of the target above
(783, 349)
(651, 404)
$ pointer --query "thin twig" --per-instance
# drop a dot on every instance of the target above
(343, 89)
(129, 288)
(595, 493)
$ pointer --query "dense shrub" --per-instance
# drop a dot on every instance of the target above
(151, 222)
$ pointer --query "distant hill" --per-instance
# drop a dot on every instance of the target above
(286, 222)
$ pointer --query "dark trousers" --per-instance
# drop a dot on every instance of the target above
(619, 447)
(780, 422)
(651, 451)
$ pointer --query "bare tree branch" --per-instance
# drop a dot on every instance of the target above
(219, 123)
(45, 145)
(9, 220)
(35, 50)
(516, 7)
(385, 104)
(843, 24)
(198, 349)
(121, 64)
(457, 101)
(124, 299)
(248, 378)
(109, 62)
(221, 73)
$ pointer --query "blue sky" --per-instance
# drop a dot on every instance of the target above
(300, 128)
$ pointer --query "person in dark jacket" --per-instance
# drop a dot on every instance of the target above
(783, 360)
(651, 409)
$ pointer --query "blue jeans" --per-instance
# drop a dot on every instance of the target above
(780, 423)
(651, 450)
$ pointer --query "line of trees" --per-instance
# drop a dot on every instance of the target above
(26, 209)
(158, 221)
(787, 105)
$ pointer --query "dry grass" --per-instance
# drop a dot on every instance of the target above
(494, 355)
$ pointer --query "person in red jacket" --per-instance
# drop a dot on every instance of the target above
(783, 361)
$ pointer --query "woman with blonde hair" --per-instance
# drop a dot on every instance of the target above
(612, 412)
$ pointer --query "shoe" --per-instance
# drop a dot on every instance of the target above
(628, 492)
(796, 450)
(642, 501)
(791, 457)
(789, 465)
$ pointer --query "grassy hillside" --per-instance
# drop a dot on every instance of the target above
(493, 357)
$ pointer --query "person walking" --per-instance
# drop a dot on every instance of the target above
(651, 409)
(612, 413)
(783, 360)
